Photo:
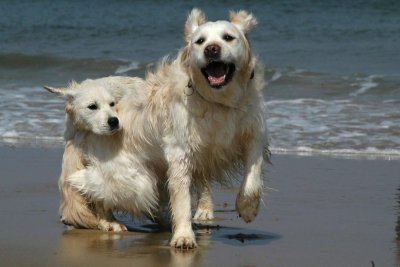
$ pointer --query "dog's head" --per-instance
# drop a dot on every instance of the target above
(218, 53)
(90, 106)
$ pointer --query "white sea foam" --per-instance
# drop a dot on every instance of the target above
(365, 85)
(10, 134)
(131, 66)
(276, 76)
(31, 113)
(309, 125)
(337, 127)
(369, 152)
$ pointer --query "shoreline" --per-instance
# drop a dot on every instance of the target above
(365, 154)
(322, 211)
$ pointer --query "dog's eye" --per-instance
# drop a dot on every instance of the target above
(92, 107)
(228, 37)
(112, 104)
(200, 41)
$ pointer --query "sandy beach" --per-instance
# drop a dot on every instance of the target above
(332, 88)
(319, 211)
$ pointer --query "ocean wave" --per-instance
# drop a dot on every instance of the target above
(125, 68)
(18, 61)
(293, 83)
(334, 126)
(307, 113)
(52, 141)
(302, 101)
(369, 152)
(366, 84)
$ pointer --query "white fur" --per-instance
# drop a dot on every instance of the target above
(212, 33)
(188, 133)
(243, 20)
(107, 177)
(183, 133)
(205, 206)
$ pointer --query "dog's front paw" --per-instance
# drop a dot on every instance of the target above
(203, 214)
(247, 206)
(114, 226)
(184, 240)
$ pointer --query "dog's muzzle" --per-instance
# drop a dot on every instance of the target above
(217, 72)
(113, 123)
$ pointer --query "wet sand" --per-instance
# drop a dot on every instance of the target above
(321, 211)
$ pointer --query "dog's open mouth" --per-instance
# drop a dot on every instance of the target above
(218, 73)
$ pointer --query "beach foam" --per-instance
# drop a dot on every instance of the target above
(307, 112)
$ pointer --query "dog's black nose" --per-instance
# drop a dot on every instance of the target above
(212, 51)
(113, 122)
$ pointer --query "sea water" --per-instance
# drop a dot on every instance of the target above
(333, 67)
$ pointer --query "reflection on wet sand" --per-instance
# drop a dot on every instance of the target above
(90, 247)
(146, 245)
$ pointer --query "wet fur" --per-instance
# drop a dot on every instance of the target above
(97, 176)
(188, 134)
(182, 133)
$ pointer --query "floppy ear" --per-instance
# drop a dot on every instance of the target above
(243, 20)
(194, 20)
(63, 92)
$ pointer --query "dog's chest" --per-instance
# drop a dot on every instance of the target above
(101, 149)
(214, 129)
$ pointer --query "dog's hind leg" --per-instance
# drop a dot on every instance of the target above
(75, 208)
(205, 207)
(81, 180)
(107, 221)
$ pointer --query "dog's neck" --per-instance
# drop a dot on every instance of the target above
(79, 137)
(92, 146)
(70, 129)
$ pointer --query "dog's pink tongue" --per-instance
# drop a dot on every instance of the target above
(216, 74)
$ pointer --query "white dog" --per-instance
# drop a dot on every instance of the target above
(98, 175)
(199, 118)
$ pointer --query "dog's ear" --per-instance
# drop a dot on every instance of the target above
(194, 20)
(63, 92)
(118, 92)
(121, 86)
(243, 20)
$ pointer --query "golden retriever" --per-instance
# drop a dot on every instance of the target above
(198, 118)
